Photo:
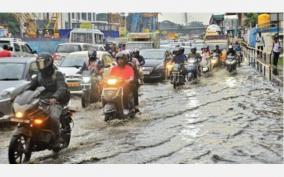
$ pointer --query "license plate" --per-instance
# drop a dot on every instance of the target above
(19, 120)
(146, 72)
(73, 84)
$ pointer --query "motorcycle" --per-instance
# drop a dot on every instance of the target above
(215, 60)
(112, 100)
(177, 76)
(231, 63)
(90, 84)
(33, 132)
(192, 69)
(205, 66)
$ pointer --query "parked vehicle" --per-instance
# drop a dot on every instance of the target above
(19, 47)
(15, 73)
(33, 132)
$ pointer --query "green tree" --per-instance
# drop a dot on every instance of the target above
(251, 19)
(9, 20)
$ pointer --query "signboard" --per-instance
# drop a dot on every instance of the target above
(3, 32)
(86, 25)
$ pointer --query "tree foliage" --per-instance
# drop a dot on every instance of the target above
(251, 19)
(10, 21)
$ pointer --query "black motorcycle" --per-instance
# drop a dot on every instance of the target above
(231, 63)
(112, 100)
(33, 132)
(177, 75)
(90, 84)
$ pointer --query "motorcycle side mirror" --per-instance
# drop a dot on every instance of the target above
(107, 66)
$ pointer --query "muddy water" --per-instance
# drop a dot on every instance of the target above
(222, 119)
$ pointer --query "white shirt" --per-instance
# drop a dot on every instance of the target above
(276, 47)
(260, 41)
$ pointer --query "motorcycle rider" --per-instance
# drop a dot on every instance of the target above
(180, 58)
(231, 51)
(92, 64)
(134, 63)
(56, 91)
(217, 50)
(194, 54)
(125, 72)
(136, 54)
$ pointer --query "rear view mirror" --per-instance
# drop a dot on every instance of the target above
(34, 52)
(107, 66)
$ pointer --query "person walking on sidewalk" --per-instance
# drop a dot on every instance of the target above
(276, 49)
(259, 44)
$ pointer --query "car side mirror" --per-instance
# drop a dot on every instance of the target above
(34, 52)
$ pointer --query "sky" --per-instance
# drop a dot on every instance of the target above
(179, 18)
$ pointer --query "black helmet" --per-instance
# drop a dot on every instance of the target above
(135, 52)
(175, 51)
(181, 50)
(193, 49)
(92, 55)
(217, 46)
(44, 64)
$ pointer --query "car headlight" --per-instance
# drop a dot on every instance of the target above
(5, 94)
(160, 66)
(86, 79)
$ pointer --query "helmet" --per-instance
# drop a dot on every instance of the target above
(175, 51)
(193, 49)
(122, 55)
(135, 52)
(44, 64)
(217, 46)
(181, 50)
(230, 47)
(92, 55)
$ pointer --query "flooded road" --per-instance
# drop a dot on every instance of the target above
(222, 119)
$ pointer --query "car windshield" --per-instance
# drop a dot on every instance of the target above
(68, 48)
(74, 60)
(12, 71)
(153, 54)
(2, 43)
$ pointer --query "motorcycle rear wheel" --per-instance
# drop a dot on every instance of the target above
(18, 152)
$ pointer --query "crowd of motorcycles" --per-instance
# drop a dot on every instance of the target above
(194, 68)
(33, 132)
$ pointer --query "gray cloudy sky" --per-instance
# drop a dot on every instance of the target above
(180, 17)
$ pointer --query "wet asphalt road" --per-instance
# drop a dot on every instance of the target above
(222, 119)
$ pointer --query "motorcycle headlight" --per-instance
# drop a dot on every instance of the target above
(169, 66)
(19, 115)
(111, 81)
(86, 79)
(213, 61)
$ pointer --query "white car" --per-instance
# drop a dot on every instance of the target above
(72, 63)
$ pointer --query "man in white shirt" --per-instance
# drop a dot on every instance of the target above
(276, 49)
(259, 43)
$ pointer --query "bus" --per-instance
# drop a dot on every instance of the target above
(91, 36)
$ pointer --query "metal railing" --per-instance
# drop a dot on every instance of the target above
(260, 60)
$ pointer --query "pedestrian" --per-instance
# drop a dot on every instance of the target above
(260, 44)
(5, 52)
(276, 49)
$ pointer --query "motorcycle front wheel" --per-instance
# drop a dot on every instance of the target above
(18, 150)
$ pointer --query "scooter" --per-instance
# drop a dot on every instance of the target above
(205, 66)
(91, 88)
(192, 69)
(112, 100)
(33, 132)
(231, 63)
